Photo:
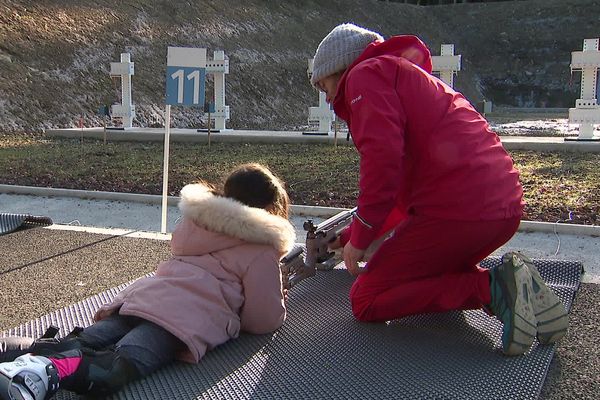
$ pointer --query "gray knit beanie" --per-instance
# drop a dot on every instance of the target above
(339, 49)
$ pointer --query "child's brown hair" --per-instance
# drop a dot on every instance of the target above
(256, 186)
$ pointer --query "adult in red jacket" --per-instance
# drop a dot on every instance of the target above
(434, 174)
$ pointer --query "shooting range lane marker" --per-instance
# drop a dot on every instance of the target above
(124, 111)
(186, 72)
(446, 64)
(587, 110)
(323, 115)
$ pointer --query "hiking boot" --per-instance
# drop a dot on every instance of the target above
(97, 373)
(50, 344)
(511, 291)
(28, 377)
(15, 346)
(550, 313)
(45, 347)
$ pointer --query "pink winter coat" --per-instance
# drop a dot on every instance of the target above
(223, 276)
(424, 149)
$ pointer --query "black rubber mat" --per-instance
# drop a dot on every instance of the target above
(322, 352)
(11, 222)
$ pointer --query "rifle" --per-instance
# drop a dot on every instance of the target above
(295, 267)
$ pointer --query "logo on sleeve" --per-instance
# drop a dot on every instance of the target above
(356, 99)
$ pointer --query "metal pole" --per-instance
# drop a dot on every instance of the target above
(208, 130)
(163, 226)
(335, 131)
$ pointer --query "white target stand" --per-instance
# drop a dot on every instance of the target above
(186, 73)
(587, 111)
(321, 116)
(447, 64)
(218, 67)
(124, 112)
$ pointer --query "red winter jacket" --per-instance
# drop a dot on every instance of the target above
(424, 149)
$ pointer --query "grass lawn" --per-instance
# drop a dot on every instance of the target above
(561, 187)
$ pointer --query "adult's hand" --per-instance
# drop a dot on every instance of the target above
(335, 243)
(352, 256)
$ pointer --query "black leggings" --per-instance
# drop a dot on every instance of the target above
(146, 345)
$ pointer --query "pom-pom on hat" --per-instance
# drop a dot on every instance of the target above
(339, 49)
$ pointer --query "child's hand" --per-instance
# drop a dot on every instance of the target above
(285, 295)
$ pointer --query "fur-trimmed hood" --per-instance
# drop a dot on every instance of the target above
(224, 276)
(231, 218)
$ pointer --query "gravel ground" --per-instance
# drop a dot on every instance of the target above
(575, 371)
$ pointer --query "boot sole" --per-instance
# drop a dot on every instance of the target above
(519, 336)
(550, 313)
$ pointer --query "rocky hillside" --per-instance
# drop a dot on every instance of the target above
(55, 55)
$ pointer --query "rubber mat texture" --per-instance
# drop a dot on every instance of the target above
(12, 222)
(322, 352)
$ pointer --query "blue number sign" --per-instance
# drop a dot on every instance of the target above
(186, 73)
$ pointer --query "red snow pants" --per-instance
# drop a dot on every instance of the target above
(429, 265)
